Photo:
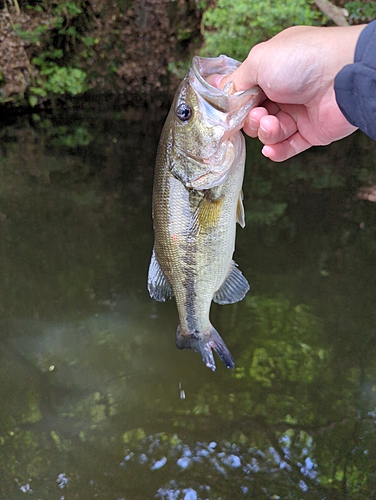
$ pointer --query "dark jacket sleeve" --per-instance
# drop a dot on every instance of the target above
(355, 84)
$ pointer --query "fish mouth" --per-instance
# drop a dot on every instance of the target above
(202, 67)
(222, 113)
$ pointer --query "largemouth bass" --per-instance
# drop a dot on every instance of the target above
(197, 200)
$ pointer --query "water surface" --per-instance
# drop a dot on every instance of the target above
(96, 401)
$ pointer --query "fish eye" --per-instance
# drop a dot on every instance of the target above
(184, 112)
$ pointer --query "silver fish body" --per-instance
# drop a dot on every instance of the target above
(197, 200)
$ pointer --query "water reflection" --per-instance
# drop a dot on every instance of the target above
(96, 400)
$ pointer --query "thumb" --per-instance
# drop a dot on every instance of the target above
(217, 80)
(241, 79)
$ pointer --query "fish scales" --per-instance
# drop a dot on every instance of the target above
(197, 200)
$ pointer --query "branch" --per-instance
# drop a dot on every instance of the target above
(336, 14)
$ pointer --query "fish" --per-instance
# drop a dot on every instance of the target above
(197, 201)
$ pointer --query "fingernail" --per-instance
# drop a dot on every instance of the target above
(265, 132)
(266, 151)
(252, 124)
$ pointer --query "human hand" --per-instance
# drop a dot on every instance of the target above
(296, 71)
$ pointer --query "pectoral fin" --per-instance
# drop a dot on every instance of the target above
(240, 216)
(206, 217)
(233, 289)
(158, 286)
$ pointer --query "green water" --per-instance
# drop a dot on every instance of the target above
(96, 401)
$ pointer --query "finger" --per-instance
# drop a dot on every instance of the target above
(244, 77)
(220, 81)
(215, 80)
(367, 193)
(286, 149)
(241, 78)
(252, 122)
(274, 129)
(271, 106)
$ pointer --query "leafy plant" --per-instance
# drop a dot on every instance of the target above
(233, 28)
(60, 80)
(361, 11)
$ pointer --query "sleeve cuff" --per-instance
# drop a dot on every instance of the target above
(355, 84)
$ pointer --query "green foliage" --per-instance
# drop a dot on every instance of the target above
(50, 33)
(55, 78)
(361, 11)
(180, 69)
(233, 28)
(110, 46)
(58, 80)
(31, 36)
(68, 9)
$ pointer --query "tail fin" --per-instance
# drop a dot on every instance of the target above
(203, 343)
